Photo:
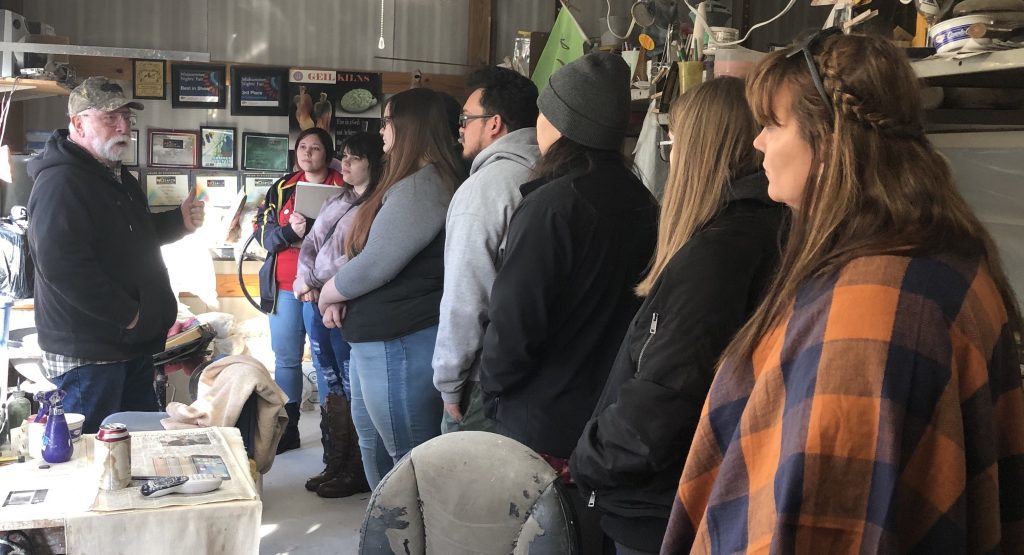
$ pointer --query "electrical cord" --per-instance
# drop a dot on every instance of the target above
(746, 36)
(608, 23)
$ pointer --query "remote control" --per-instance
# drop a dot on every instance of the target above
(193, 483)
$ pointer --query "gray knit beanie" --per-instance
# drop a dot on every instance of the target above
(588, 100)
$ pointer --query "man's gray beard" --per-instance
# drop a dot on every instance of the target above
(110, 150)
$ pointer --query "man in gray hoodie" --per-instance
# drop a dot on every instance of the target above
(499, 138)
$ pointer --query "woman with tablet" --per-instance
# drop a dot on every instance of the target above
(279, 229)
(321, 256)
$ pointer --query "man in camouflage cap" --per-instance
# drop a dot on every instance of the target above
(103, 299)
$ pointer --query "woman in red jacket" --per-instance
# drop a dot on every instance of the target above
(279, 229)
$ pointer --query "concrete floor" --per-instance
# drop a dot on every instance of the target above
(296, 521)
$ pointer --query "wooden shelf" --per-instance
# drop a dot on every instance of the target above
(25, 89)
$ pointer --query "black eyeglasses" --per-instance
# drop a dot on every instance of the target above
(807, 47)
(464, 118)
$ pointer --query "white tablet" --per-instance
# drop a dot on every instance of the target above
(310, 197)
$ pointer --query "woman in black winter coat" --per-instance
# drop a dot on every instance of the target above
(718, 245)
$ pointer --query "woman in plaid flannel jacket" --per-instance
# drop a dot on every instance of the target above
(873, 403)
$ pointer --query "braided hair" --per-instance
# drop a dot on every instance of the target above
(876, 184)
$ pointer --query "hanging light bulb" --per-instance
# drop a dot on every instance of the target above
(380, 42)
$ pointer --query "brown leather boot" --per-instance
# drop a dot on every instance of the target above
(329, 470)
(350, 478)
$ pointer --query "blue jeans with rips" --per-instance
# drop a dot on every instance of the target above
(395, 406)
(99, 390)
(331, 351)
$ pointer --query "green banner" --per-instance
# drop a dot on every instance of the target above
(564, 45)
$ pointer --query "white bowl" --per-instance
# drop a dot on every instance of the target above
(952, 33)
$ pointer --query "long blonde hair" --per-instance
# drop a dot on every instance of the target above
(712, 135)
(420, 134)
(882, 188)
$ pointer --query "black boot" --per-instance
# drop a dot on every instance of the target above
(349, 478)
(325, 438)
(290, 439)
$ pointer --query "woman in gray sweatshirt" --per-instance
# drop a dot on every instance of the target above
(386, 297)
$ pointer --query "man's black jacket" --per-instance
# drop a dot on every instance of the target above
(96, 247)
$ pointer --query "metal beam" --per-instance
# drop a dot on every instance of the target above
(73, 49)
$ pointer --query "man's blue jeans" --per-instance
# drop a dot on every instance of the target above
(99, 390)
(330, 350)
(288, 339)
(395, 406)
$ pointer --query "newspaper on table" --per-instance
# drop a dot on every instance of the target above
(178, 452)
(31, 497)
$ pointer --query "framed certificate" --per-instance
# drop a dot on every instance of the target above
(265, 151)
(259, 91)
(215, 188)
(130, 156)
(166, 188)
(198, 86)
(218, 147)
(149, 79)
(256, 185)
(173, 149)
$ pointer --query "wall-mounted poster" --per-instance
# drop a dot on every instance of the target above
(265, 151)
(149, 79)
(173, 149)
(130, 155)
(198, 86)
(217, 189)
(218, 151)
(166, 188)
(341, 102)
(259, 91)
(257, 184)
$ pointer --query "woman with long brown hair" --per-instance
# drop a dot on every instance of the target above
(873, 403)
(386, 298)
(718, 246)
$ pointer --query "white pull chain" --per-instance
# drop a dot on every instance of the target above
(380, 43)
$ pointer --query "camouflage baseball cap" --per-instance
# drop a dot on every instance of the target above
(99, 93)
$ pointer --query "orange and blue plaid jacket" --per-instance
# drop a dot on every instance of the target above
(883, 415)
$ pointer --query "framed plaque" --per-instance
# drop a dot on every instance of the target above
(130, 156)
(257, 184)
(166, 188)
(216, 188)
(218, 147)
(149, 78)
(198, 86)
(259, 91)
(265, 152)
(173, 149)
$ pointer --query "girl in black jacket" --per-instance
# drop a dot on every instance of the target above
(718, 245)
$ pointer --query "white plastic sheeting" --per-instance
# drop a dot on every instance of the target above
(989, 171)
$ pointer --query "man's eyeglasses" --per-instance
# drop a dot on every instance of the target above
(464, 118)
(806, 46)
(111, 119)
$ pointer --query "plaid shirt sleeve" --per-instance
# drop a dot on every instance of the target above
(884, 415)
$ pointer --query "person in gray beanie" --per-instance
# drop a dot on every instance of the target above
(576, 247)
(588, 100)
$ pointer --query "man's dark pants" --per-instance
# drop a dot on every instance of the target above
(99, 390)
